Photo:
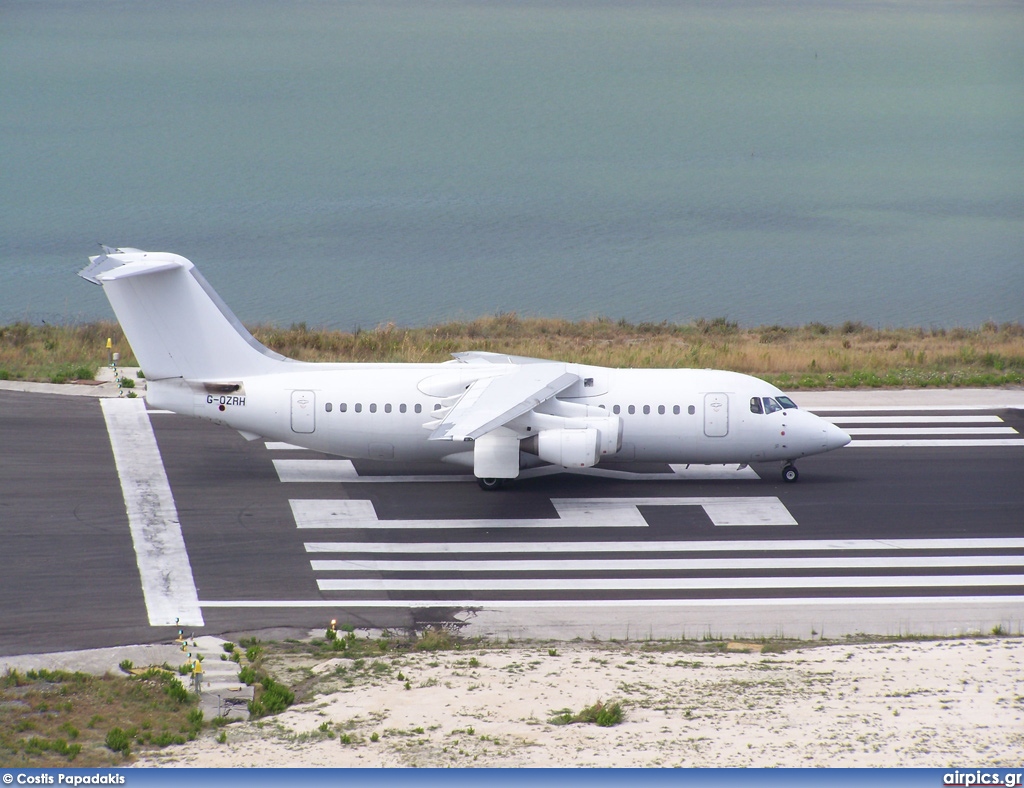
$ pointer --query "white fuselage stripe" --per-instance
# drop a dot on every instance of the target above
(167, 584)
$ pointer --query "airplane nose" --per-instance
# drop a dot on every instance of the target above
(835, 438)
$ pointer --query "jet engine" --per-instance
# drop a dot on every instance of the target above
(577, 443)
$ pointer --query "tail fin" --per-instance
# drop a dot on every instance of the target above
(176, 324)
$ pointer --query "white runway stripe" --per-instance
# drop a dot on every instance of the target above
(951, 443)
(167, 584)
(668, 564)
(978, 431)
(572, 513)
(342, 471)
(477, 602)
(948, 409)
(990, 419)
(759, 545)
(612, 584)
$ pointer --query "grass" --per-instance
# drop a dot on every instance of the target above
(811, 356)
(59, 719)
(603, 715)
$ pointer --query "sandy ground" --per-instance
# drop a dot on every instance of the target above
(928, 704)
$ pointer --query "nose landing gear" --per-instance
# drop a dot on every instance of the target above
(790, 473)
(490, 484)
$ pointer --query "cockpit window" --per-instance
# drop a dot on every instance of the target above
(786, 402)
(770, 405)
(755, 405)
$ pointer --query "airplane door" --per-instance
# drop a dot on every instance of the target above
(303, 411)
(716, 415)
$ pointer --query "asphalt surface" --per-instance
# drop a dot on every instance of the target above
(70, 578)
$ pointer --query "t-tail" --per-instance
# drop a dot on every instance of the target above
(178, 327)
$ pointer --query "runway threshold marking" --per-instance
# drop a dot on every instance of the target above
(166, 574)
(507, 565)
(572, 513)
(475, 603)
(476, 585)
(708, 546)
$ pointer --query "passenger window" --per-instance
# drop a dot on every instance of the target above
(691, 410)
(786, 402)
(675, 410)
(437, 407)
(373, 407)
(755, 405)
(631, 409)
(770, 405)
(328, 407)
(343, 407)
(401, 408)
(647, 410)
(661, 410)
(387, 408)
(359, 407)
(418, 408)
(616, 409)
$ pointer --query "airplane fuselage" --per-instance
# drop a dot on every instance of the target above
(379, 411)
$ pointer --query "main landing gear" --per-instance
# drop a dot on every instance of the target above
(790, 473)
(490, 484)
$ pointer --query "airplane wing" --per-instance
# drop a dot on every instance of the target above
(491, 402)
(468, 356)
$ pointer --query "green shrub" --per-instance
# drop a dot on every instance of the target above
(600, 714)
(119, 741)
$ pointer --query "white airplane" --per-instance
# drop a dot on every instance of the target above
(493, 413)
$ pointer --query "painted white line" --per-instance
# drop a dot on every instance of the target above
(613, 584)
(572, 513)
(773, 545)
(666, 564)
(910, 408)
(167, 584)
(944, 601)
(361, 514)
(342, 471)
(939, 443)
(915, 419)
(978, 431)
(161, 412)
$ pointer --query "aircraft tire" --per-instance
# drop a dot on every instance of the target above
(790, 473)
(490, 484)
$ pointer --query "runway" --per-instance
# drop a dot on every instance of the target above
(118, 522)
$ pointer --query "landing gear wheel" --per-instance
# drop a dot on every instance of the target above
(790, 473)
(490, 484)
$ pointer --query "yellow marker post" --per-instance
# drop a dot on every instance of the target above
(110, 351)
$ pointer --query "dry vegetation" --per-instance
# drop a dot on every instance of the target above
(811, 356)
(57, 718)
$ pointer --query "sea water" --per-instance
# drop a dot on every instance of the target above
(352, 163)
